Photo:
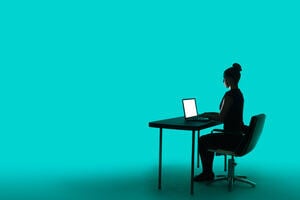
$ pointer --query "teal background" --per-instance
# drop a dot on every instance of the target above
(68, 68)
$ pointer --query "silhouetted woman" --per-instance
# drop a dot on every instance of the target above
(231, 114)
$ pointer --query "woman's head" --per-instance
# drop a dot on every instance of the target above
(232, 75)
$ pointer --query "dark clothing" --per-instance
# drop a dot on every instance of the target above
(233, 123)
(216, 141)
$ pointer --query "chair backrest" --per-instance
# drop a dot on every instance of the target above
(255, 129)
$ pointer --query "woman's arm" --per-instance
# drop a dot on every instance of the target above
(226, 104)
(225, 107)
(212, 115)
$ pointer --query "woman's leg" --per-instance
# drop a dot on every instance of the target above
(207, 157)
(214, 141)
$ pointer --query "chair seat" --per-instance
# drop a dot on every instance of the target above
(222, 151)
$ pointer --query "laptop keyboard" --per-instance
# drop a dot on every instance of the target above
(198, 118)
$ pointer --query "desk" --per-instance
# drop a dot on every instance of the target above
(179, 123)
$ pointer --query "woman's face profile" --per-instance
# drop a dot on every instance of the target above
(225, 81)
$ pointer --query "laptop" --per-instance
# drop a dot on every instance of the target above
(190, 110)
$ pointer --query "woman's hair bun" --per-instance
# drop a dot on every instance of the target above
(237, 67)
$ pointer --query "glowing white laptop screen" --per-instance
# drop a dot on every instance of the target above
(189, 106)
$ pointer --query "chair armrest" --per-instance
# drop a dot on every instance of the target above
(227, 132)
(217, 131)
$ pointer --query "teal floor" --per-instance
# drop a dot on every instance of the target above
(127, 169)
(141, 183)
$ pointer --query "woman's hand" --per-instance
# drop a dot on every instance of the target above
(212, 115)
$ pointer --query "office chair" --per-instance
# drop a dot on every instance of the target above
(247, 145)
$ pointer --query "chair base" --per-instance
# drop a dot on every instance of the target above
(231, 178)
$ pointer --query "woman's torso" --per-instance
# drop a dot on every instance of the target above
(233, 120)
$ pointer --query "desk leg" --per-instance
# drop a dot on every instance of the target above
(160, 158)
(193, 158)
(197, 152)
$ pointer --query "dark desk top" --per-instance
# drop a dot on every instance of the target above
(181, 124)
